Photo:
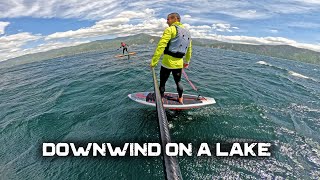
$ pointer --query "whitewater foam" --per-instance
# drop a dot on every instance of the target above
(290, 72)
(264, 63)
(298, 75)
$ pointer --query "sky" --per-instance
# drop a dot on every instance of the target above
(31, 26)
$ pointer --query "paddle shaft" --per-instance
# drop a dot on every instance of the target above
(187, 78)
(170, 163)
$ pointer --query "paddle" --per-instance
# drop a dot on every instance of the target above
(187, 78)
(191, 84)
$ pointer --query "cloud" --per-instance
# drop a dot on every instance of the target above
(101, 28)
(11, 46)
(116, 26)
(223, 27)
(274, 31)
(260, 41)
(306, 25)
(83, 9)
(291, 7)
(220, 27)
(245, 13)
(16, 51)
(16, 40)
(147, 13)
(312, 2)
(3, 25)
(53, 45)
(257, 40)
(100, 9)
(287, 8)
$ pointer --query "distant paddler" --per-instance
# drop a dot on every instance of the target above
(175, 43)
(124, 47)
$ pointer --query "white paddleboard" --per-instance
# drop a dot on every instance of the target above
(170, 100)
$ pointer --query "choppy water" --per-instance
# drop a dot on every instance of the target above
(83, 98)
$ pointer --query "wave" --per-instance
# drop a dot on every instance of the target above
(303, 76)
(298, 75)
(290, 72)
(263, 63)
(270, 65)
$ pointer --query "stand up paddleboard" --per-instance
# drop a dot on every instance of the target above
(123, 55)
(170, 100)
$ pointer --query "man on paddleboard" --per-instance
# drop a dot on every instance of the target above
(175, 43)
(124, 46)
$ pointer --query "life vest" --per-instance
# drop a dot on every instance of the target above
(123, 44)
(178, 46)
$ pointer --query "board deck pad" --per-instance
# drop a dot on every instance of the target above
(170, 100)
(122, 55)
(173, 99)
